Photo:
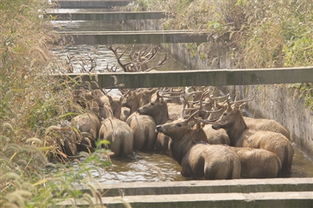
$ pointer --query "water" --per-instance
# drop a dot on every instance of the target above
(157, 168)
(146, 168)
(104, 58)
(302, 165)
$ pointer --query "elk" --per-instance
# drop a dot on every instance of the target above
(136, 99)
(198, 159)
(95, 101)
(267, 125)
(119, 134)
(143, 127)
(241, 135)
(208, 107)
(257, 123)
(158, 110)
(258, 163)
(88, 124)
(63, 140)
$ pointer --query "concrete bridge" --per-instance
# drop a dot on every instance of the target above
(135, 37)
(241, 193)
(103, 15)
(209, 77)
(90, 3)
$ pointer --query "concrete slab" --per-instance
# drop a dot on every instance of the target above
(220, 77)
(90, 3)
(90, 14)
(234, 200)
(214, 186)
(135, 37)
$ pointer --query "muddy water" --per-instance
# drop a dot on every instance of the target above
(104, 58)
(147, 167)
(155, 168)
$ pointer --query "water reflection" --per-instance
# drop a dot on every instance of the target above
(105, 58)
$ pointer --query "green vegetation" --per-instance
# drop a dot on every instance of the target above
(30, 101)
(254, 34)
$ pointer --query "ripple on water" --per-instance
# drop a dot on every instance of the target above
(146, 168)
(104, 57)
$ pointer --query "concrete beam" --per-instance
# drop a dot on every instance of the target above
(90, 14)
(198, 77)
(135, 37)
(97, 25)
(214, 186)
(90, 3)
(234, 200)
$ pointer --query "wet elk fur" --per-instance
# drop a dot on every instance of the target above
(240, 135)
(119, 134)
(258, 163)
(143, 127)
(88, 125)
(198, 159)
(158, 110)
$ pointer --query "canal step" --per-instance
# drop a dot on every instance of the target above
(203, 187)
(91, 14)
(220, 200)
(208, 77)
(96, 25)
(136, 37)
(90, 3)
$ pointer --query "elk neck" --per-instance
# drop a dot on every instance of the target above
(161, 116)
(236, 129)
(181, 144)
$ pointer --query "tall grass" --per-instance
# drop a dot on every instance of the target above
(30, 101)
(254, 34)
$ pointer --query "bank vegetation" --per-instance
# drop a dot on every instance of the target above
(30, 101)
(254, 34)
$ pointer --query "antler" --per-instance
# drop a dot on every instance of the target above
(138, 59)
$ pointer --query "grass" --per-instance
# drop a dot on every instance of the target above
(253, 34)
(30, 101)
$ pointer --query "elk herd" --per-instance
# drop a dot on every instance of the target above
(200, 128)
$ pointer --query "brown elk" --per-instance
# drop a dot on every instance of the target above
(95, 101)
(198, 159)
(208, 106)
(63, 141)
(137, 98)
(258, 163)
(143, 127)
(119, 134)
(158, 110)
(88, 124)
(257, 123)
(240, 135)
(267, 125)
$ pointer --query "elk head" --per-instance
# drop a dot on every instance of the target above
(157, 110)
(231, 118)
(131, 100)
(179, 128)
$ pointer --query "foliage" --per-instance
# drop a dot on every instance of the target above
(30, 101)
(254, 34)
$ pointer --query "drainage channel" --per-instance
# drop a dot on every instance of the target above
(153, 180)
